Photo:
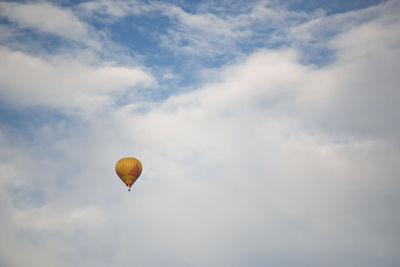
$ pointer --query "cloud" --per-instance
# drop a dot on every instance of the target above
(245, 161)
(324, 27)
(46, 18)
(313, 35)
(364, 105)
(64, 84)
(116, 9)
(293, 164)
(223, 32)
(52, 218)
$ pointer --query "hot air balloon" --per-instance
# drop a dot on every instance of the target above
(128, 169)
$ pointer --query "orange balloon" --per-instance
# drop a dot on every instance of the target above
(129, 170)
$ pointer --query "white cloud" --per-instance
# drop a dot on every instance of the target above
(363, 81)
(246, 161)
(46, 18)
(317, 31)
(209, 34)
(64, 83)
(57, 218)
(267, 158)
(116, 9)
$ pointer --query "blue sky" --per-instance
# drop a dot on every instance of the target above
(268, 133)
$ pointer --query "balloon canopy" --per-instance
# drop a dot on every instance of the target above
(128, 169)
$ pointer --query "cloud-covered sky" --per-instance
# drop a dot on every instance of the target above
(268, 132)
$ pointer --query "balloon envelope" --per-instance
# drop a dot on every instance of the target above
(128, 169)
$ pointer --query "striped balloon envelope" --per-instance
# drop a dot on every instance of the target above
(128, 169)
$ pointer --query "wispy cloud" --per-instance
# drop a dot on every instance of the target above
(116, 9)
(207, 33)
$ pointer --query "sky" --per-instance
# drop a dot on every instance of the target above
(268, 133)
